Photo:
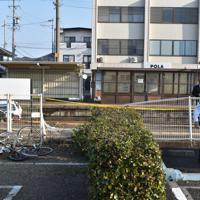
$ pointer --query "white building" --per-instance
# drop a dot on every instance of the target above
(144, 49)
(76, 47)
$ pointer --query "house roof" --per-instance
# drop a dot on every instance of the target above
(4, 52)
(47, 57)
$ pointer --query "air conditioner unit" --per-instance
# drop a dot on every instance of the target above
(133, 59)
(100, 60)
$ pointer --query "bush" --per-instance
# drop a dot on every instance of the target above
(125, 161)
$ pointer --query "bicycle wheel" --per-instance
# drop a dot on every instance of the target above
(34, 152)
(17, 156)
(29, 137)
(44, 151)
(29, 151)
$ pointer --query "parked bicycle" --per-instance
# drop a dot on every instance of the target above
(30, 139)
(7, 146)
(26, 143)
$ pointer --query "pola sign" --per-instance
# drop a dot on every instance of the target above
(151, 65)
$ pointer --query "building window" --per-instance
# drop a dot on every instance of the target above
(123, 82)
(183, 83)
(69, 40)
(87, 40)
(168, 83)
(114, 47)
(109, 14)
(176, 82)
(139, 82)
(132, 14)
(179, 48)
(154, 48)
(167, 15)
(174, 15)
(121, 14)
(186, 15)
(166, 48)
(152, 83)
(87, 61)
(190, 48)
(109, 82)
(103, 47)
(173, 48)
(121, 47)
(114, 14)
(68, 58)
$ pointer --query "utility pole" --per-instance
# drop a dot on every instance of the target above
(13, 31)
(57, 4)
(15, 23)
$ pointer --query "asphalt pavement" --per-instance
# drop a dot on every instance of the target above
(62, 175)
(43, 181)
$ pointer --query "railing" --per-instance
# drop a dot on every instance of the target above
(170, 119)
(167, 119)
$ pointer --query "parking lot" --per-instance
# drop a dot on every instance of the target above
(61, 175)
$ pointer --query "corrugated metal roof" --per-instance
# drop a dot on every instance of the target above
(40, 65)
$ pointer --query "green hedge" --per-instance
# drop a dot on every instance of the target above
(125, 161)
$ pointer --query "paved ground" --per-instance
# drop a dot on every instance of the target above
(44, 182)
(59, 176)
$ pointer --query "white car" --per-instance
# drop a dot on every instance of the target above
(16, 110)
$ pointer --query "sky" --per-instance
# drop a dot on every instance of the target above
(34, 35)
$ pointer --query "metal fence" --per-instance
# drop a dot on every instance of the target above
(169, 119)
(15, 114)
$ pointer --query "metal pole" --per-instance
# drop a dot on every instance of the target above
(4, 35)
(13, 31)
(42, 124)
(190, 117)
(52, 35)
(9, 113)
(57, 30)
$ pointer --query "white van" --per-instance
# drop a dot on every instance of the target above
(16, 109)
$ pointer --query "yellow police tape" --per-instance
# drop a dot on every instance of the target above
(136, 107)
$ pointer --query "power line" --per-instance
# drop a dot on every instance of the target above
(26, 53)
(31, 47)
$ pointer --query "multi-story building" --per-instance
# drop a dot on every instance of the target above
(144, 49)
(76, 47)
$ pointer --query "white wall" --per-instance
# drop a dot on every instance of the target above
(120, 31)
(174, 3)
(174, 31)
(120, 2)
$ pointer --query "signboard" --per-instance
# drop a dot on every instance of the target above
(155, 65)
(19, 89)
